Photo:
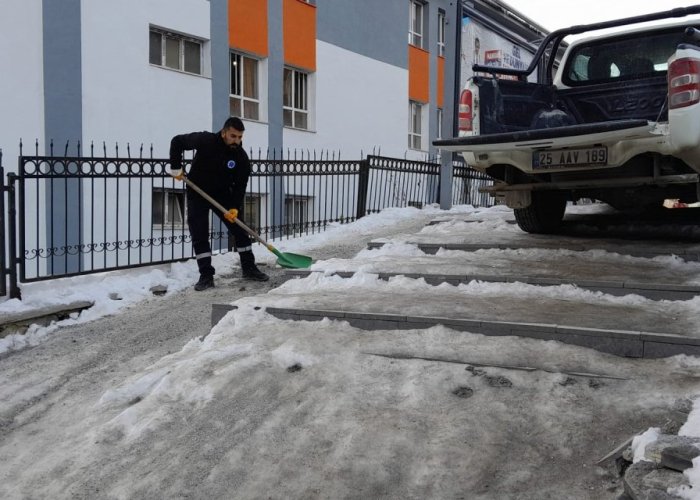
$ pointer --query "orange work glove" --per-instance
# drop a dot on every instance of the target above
(178, 174)
(231, 215)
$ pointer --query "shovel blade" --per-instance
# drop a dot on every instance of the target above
(292, 260)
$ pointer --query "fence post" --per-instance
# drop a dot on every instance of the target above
(12, 254)
(362, 187)
(3, 261)
(446, 181)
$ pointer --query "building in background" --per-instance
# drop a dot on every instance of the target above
(340, 76)
(120, 79)
(349, 77)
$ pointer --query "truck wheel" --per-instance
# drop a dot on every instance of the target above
(544, 215)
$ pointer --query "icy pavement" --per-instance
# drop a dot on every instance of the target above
(142, 405)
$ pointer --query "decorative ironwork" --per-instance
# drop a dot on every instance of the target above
(84, 214)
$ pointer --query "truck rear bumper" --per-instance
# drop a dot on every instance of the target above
(568, 136)
(594, 183)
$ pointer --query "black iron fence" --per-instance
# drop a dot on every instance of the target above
(3, 253)
(466, 183)
(72, 215)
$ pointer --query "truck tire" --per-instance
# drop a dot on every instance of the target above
(543, 215)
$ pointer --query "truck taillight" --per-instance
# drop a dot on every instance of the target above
(683, 83)
(465, 111)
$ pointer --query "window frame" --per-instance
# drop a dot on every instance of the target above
(655, 45)
(296, 209)
(252, 210)
(415, 110)
(167, 222)
(241, 97)
(441, 45)
(299, 99)
(182, 40)
(416, 19)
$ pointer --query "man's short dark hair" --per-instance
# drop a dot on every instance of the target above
(234, 122)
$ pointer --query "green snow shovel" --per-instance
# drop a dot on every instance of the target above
(284, 259)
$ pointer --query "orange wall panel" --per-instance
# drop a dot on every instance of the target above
(418, 72)
(247, 26)
(299, 27)
(440, 81)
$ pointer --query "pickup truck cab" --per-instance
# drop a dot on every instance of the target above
(617, 121)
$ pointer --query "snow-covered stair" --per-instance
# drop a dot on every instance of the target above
(635, 299)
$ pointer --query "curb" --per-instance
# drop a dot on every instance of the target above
(625, 343)
(653, 291)
(689, 255)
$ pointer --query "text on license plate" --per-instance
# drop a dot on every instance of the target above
(570, 157)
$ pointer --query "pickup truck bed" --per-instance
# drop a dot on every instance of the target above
(618, 122)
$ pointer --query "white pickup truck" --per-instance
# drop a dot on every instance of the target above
(617, 121)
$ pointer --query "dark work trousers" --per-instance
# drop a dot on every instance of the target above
(198, 222)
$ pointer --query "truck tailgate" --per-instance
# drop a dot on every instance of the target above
(568, 136)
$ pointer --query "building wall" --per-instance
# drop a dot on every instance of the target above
(220, 72)
(366, 27)
(360, 79)
(125, 99)
(110, 92)
(361, 106)
(102, 87)
(21, 84)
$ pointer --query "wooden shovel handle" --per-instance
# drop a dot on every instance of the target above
(223, 210)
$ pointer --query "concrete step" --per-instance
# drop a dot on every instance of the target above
(625, 326)
(653, 291)
(508, 283)
(473, 232)
(626, 343)
(686, 252)
(663, 277)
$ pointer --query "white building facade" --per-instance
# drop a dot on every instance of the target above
(88, 71)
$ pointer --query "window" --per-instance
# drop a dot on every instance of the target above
(439, 123)
(441, 34)
(251, 211)
(175, 51)
(414, 128)
(415, 29)
(636, 55)
(168, 207)
(295, 102)
(244, 99)
(295, 209)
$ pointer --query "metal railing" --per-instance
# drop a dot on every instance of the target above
(466, 183)
(73, 215)
(3, 241)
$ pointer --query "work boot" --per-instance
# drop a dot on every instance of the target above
(204, 283)
(250, 270)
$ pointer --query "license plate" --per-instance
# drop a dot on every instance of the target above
(555, 158)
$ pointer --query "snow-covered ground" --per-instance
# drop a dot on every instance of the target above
(264, 408)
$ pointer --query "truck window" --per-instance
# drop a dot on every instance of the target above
(637, 55)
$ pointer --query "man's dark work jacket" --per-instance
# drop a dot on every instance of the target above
(221, 171)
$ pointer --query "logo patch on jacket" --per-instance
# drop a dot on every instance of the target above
(231, 164)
